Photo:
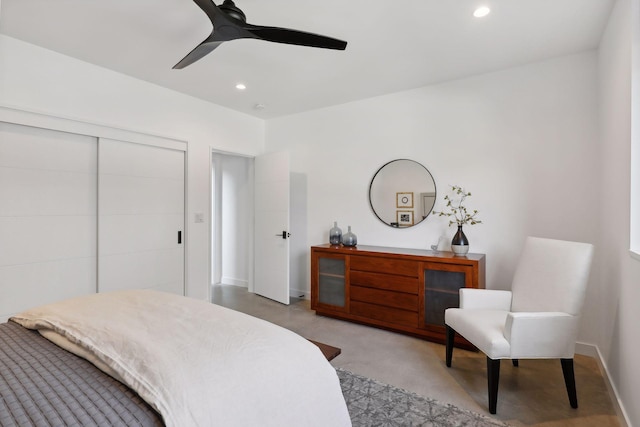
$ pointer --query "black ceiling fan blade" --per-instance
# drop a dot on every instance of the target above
(202, 50)
(288, 36)
(229, 23)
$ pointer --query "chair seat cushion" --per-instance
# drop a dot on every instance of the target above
(482, 328)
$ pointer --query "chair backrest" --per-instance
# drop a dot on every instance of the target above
(551, 275)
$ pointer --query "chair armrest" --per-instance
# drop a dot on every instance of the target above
(540, 335)
(485, 299)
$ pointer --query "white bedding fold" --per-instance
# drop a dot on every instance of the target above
(196, 363)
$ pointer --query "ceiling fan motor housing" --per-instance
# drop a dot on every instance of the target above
(233, 11)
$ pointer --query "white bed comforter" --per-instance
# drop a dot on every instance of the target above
(196, 363)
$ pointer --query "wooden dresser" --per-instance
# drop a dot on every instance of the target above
(404, 290)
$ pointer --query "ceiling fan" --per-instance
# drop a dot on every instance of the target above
(230, 23)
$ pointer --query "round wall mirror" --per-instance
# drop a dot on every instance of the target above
(402, 193)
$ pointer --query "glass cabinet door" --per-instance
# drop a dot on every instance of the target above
(332, 281)
(442, 283)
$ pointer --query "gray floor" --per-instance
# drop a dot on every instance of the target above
(531, 395)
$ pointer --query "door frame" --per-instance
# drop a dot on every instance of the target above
(299, 187)
(251, 257)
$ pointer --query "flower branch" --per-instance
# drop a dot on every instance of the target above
(456, 210)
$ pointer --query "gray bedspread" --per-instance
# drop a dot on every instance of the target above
(43, 385)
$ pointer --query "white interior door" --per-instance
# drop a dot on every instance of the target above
(271, 271)
(47, 216)
(141, 217)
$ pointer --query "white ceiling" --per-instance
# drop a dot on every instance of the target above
(393, 45)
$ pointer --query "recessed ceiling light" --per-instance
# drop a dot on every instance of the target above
(241, 86)
(481, 11)
(259, 107)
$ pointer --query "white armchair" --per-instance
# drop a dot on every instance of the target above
(537, 319)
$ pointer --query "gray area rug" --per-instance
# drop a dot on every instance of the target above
(372, 403)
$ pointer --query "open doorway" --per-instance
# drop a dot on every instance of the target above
(232, 220)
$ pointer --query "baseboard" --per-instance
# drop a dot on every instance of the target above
(593, 351)
(293, 293)
(297, 293)
(234, 282)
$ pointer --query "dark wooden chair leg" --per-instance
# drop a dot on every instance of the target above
(570, 381)
(493, 376)
(449, 343)
(515, 362)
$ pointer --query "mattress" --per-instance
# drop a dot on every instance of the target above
(42, 384)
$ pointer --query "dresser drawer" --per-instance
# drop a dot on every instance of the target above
(385, 281)
(385, 265)
(384, 314)
(385, 298)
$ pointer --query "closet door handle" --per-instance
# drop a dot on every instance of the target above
(180, 237)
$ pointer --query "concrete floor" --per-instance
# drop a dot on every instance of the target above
(530, 395)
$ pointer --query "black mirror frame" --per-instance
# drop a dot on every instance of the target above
(371, 185)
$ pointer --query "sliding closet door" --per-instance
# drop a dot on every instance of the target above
(141, 217)
(47, 216)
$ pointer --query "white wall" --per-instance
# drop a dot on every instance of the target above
(40, 80)
(237, 220)
(619, 295)
(523, 141)
(545, 150)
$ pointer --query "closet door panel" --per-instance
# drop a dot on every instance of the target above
(139, 233)
(44, 192)
(128, 159)
(30, 285)
(26, 147)
(141, 203)
(48, 188)
(139, 195)
(42, 238)
(158, 269)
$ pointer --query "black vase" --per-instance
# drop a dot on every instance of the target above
(459, 243)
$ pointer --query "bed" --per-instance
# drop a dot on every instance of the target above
(149, 358)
